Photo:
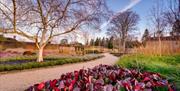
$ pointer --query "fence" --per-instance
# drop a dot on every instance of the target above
(167, 47)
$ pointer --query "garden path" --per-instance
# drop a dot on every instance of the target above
(19, 81)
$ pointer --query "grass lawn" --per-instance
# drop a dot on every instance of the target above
(21, 63)
(168, 66)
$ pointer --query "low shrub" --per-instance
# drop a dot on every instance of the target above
(29, 53)
(117, 54)
(106, 78)
(93, 51)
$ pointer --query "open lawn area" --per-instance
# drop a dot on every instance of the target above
(168, 66)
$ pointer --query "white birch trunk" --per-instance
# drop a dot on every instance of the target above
(124, 46)
(40, 54)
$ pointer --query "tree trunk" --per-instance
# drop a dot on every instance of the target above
(124, 42)
(40, 54)
(124, 46)
(160, 46)
(120, 45)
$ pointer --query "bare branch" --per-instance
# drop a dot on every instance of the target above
(6, 7)
(6, 15)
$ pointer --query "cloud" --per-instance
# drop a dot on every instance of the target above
(127, 7)
(130, 5)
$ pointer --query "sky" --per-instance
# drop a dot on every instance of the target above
(141, 7)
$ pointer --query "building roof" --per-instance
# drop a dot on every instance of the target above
(172, 38)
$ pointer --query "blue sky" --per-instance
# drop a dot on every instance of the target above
(142, 8)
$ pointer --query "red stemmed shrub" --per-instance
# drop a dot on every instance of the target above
(106, 78)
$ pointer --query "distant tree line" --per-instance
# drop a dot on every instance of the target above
(111, 43)
(103, 42)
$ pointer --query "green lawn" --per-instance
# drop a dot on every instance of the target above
(168, 66)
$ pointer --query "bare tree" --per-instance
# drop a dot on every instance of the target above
(123, 24)
(172, 12)
(86, 37)
(157, 21)
(11, 16)
(176, 28)
(172, 16)
(42, 20)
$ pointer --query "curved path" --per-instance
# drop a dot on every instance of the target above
(21, 80)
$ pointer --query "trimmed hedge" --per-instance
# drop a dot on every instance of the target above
(26, 58)
(117, 54)
(93, 51)
(57, 61)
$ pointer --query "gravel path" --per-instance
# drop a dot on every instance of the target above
(21, 80)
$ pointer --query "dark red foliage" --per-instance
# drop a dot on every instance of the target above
(41, 86)
(104, 78)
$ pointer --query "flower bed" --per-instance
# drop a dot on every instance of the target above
(105, 78)
(29, 63)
